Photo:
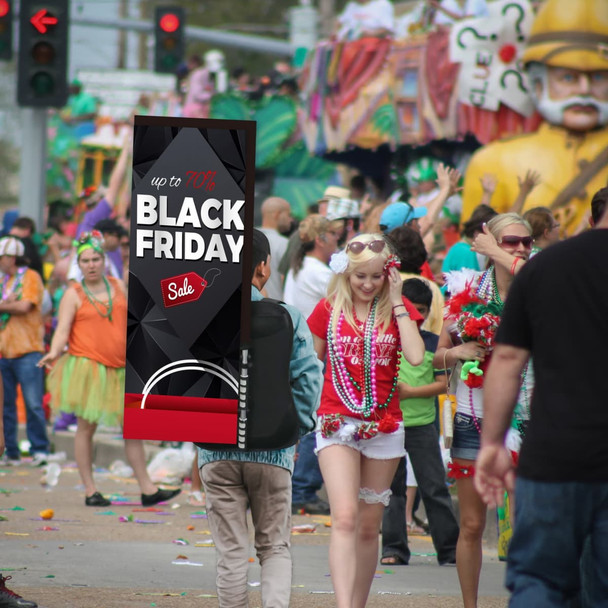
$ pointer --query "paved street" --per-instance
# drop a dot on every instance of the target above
(88, 558)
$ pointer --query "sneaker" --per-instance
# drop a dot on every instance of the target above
(9, 461)
(10, 599)
(39, 459)
(315, 507)
(149, 500)
(64, 421)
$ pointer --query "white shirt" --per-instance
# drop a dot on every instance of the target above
(278, 246)
(472, 8)
(309, 286)
(356, 18)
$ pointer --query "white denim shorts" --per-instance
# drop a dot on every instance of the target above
(383, 446)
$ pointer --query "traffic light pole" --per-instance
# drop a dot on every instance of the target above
(32, 197)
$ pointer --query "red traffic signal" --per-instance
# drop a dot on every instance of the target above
(6, 30)
(169, 23)
(169, 38)
(43, 53)
(42, 19)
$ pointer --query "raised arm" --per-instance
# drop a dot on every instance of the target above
(526, 185)
(67, 311)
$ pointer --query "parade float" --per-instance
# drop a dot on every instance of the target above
(469, 80)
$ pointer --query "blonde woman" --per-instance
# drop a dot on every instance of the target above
(361, 328)
(466, 340)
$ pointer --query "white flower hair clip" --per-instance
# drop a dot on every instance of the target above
(339, 262)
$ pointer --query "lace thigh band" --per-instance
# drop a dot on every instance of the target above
(373, 498)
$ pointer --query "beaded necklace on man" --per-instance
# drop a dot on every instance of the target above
(345, 385)
(15, 288)
(106, 308)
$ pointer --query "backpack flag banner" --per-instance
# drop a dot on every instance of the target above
(189, 279)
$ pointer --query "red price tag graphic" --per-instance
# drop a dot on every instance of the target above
(182, 289)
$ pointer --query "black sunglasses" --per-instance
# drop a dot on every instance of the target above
(513, 241)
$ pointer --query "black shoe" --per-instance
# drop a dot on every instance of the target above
(10, 599)
(448, 562)
(149, 500)
(97, 500)
(316, 507)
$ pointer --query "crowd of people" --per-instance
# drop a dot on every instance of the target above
(368, 308)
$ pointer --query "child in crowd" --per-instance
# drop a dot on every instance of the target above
(418, 388)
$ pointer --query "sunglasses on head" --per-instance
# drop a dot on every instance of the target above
(357, 246)
(513, 241)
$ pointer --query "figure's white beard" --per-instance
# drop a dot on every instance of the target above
(553, 110)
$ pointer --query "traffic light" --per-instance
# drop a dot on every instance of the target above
(169, 43)
(43, 53)
(6, 30)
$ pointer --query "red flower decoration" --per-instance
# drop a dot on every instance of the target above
(459, 471)
(331, 423)
(366, 431)
(507, 53)
(474, 381)
(388, 424)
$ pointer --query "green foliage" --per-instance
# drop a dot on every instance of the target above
(276, 119)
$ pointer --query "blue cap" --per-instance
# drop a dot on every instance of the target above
(399, 214)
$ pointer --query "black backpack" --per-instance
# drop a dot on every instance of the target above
(270, 421)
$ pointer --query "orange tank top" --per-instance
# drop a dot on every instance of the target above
(96, 337)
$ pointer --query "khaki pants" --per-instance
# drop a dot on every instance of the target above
(231, 487)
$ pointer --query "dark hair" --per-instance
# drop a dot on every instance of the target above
(26, 223)
(358, 181)
(313, 208)
(260, 250)
(598, 204)
(417, 291)
(481, 215)
(410, 248)
(540, 219)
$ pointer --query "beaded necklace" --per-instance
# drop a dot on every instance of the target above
(15, 288)
(107, 313)
(488, 290)
(345, 385)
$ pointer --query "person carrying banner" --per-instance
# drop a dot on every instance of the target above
(364, 326)
(260, 479)
(88, 380)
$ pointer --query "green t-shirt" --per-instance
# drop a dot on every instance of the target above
(420, 410)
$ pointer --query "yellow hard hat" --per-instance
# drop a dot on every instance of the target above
(570, 34)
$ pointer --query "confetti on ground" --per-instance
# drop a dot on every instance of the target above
(149, 521)
(148, 510)
(17, 533)
(182, 563)
(254, 584)
(323, 592)
(206, 595)
(190, 527)
(105, 513)
(125, 518)
(17, 509)
(304, 529)
(2, 518)
(425, 554)
(181, 541)
(251, 560)
(208, 543)
(182, 557)
(48, 529)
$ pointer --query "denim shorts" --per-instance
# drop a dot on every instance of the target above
(384, 446)
(466, 441)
